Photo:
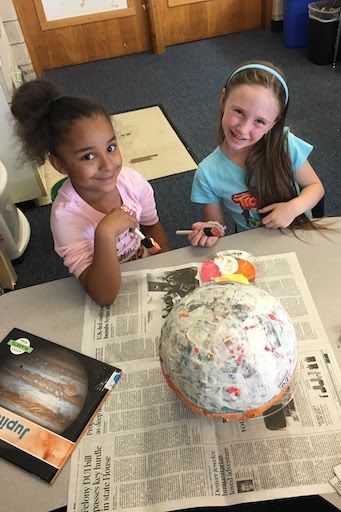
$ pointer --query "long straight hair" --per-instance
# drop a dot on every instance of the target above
(269, 170)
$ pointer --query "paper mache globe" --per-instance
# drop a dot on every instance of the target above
(228, 350)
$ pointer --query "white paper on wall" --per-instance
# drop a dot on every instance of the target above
(58, 10)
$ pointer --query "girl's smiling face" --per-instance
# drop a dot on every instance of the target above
(250, 111)
(90, 157)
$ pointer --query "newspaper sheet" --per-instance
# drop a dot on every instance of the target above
(145, 450)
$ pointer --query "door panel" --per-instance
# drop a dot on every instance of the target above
(75, 44)
(189, 20)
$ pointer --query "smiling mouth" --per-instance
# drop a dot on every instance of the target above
(110, 178)
(237, 136)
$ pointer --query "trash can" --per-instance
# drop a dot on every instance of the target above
(296, 23)
(323, 25)
(15, 229)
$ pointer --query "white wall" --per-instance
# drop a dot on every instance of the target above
(24, 181)
(16, 38)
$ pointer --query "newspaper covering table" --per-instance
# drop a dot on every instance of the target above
(145, 450)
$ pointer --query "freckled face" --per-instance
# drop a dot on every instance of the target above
(90, 157)
(250, 111)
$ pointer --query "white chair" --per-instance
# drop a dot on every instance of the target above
(14, 227)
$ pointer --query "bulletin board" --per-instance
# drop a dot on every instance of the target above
(56, 13)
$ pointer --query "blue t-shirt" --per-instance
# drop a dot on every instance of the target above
(219, 179)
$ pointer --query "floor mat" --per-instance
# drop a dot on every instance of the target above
(150, 145)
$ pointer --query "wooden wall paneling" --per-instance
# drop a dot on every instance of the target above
(198, 18)
(218, 17)
(267, 14)
(76, 44)
(252, 15)
(227, 23)
(63, 46)
(135, 37)
(175, 3)
(175, 24)
(155, 25)
(100, 39)
(188, 22)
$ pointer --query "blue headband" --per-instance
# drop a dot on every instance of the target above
(265, 68)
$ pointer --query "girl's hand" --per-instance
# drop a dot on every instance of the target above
(280, 215)
(198, 237)
(116, 222)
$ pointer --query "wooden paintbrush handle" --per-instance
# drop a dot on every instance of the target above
(183, 231)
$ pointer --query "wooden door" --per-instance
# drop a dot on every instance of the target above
(74, 40)
(190, 20)
(143, 25)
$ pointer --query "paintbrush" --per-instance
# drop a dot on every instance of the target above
(149, 243)
(211, 231)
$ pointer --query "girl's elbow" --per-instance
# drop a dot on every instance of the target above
(103, 299)
(104, 293)
(103, 296)
(320, 192)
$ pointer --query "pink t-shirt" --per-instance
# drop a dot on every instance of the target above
(73, 221)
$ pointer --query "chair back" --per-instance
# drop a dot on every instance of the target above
(55, 188)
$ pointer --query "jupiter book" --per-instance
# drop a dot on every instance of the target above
(49, 394)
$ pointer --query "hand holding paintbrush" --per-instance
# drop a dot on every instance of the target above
(149, 243)
(216, 229)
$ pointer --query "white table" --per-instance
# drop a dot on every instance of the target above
(55, 311)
